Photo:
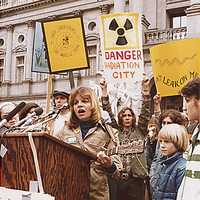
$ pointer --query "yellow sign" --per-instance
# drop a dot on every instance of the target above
(65, 44)
(120, 31)
(174, 64)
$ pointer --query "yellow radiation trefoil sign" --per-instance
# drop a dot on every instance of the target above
(174, 64)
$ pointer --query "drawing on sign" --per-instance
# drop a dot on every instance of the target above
(121, 40)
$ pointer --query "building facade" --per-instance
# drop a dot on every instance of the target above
(162, 20)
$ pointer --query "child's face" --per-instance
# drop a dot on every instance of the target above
(167, 148)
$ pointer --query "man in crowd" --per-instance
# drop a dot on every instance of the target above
(190, 187)
(60, 100)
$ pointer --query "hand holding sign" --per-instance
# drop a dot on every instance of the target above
(103, 85)
(145, 86)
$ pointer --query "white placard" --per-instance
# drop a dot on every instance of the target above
(122, 55)
(11, 194)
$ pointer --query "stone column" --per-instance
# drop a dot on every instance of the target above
(8, 60)
(136, 6)
(29, 53)
(193, 19)
(119, 5)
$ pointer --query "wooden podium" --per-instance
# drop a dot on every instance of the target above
(64, 168)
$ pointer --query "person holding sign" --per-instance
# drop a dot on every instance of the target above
(133, 179)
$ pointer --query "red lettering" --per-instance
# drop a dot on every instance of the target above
(115, 75)
(139, 55)
(106, 55)
(127, 55)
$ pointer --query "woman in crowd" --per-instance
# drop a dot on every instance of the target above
(166, 178)
(131, 185)
(87, 131)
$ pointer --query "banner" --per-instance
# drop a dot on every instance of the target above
(65, 43)
(39, 63)
(174, 64)
(122, 52)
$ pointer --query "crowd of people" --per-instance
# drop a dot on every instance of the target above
(164, 167)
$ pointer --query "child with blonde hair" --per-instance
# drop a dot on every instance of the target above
(166, 178)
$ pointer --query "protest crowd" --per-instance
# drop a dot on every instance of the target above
(161, 161)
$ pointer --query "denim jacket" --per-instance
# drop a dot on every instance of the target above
(166, 177)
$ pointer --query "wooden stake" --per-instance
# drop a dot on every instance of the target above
(49, 92)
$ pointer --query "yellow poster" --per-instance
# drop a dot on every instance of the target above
(65, 43)
(174, 64)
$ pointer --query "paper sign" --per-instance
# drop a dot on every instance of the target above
(3, 150)
(122, 53)
(174, 64)
(65, 43)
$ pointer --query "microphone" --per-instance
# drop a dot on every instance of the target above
(48, 114)
(65, 106)
(12, 113)
(38, 111)
(29, 119)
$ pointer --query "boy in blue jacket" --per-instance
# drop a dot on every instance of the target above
(166, 177)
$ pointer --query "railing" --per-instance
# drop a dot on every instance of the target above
(175, 1)
(4, 4)
(160, 36)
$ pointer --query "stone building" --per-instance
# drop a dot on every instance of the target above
(163, 20)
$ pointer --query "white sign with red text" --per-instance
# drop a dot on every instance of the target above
(122, 53)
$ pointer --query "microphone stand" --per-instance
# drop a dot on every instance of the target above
(39, 124)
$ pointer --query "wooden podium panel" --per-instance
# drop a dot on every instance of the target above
(64, 168)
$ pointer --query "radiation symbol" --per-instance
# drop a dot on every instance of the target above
(121, 39)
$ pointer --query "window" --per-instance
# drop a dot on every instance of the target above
(92, 26)
(1, 42)
(21, 39)
(3, 2)
(19, 69)
(1, 70)
(41, 76)
(179, 21)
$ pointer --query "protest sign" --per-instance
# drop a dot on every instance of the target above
(65, 43)
(174, 64)
(122, 53)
